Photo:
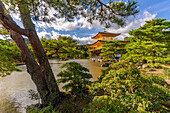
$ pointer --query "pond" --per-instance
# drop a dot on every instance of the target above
(14, 88)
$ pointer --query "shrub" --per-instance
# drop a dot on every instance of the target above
(48, 109)
(75, 76)
(129, 91)
(105, 104)
(117, 66)
(167, 72)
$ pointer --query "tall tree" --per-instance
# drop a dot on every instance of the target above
(149, 43)
(41, 72)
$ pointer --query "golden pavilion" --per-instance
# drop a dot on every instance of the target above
(101, 39)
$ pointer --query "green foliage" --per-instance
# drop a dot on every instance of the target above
(111, 49)
(70, 104)
(167, 72)
(33, 95)
(91, 9)
(118, 66)
(84, 49)
(9, 55)
(3, 32)
(150, 43)
(154, 30)
(126, 90)
(105, 104)
(146, 50)
(75, 76)
(48, 109)
(63, 47)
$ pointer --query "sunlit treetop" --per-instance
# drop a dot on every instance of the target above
(154, 30)
(63, 44)
(106, 12)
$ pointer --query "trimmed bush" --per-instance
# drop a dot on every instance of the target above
(75, 76)
(124, 89)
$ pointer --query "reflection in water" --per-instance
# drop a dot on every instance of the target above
(8, 106)
(14, 88)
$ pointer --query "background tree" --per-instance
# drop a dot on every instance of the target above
(84, 51)
(75, 76)
(9, 54)
(62, 45)
(149, 43)
(149, 52)
(4, 32)
(111, 49)
(41, 72)
(9, 57)
(154, 30)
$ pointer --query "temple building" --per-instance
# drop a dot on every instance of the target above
(101, 39)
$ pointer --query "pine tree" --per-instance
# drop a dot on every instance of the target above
(75, 76)
(63, 45)
(149, 44)
(9, 56)
(111, 49)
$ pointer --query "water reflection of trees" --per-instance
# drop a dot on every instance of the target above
(8, 106)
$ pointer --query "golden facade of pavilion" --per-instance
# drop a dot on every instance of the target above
(101, 39)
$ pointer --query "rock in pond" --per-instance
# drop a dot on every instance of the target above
(106, 64)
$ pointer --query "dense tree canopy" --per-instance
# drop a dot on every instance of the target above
(149, 43)
(140, 51)
(111, 49)
(154, 30)
(61, 45)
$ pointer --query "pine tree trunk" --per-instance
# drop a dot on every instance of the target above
(32, 67)
(41, 73)
(115, 58)
(54, 94)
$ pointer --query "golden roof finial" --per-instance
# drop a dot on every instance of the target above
(104, 29)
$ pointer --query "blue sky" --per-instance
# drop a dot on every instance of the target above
(82, 31)
(160, 7)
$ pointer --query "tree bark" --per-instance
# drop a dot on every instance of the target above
(54, 94)
(32, 67)
(41, 74)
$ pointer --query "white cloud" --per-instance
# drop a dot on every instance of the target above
(44, 34)
(85, 40)
(85, 24)
(51, 35)
(60, 24)
(132, 23)
(55, 35)
(1, 37)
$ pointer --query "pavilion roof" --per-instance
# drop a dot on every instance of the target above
(107, 34)
(98, 42)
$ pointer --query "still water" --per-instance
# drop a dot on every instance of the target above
(14, 88)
